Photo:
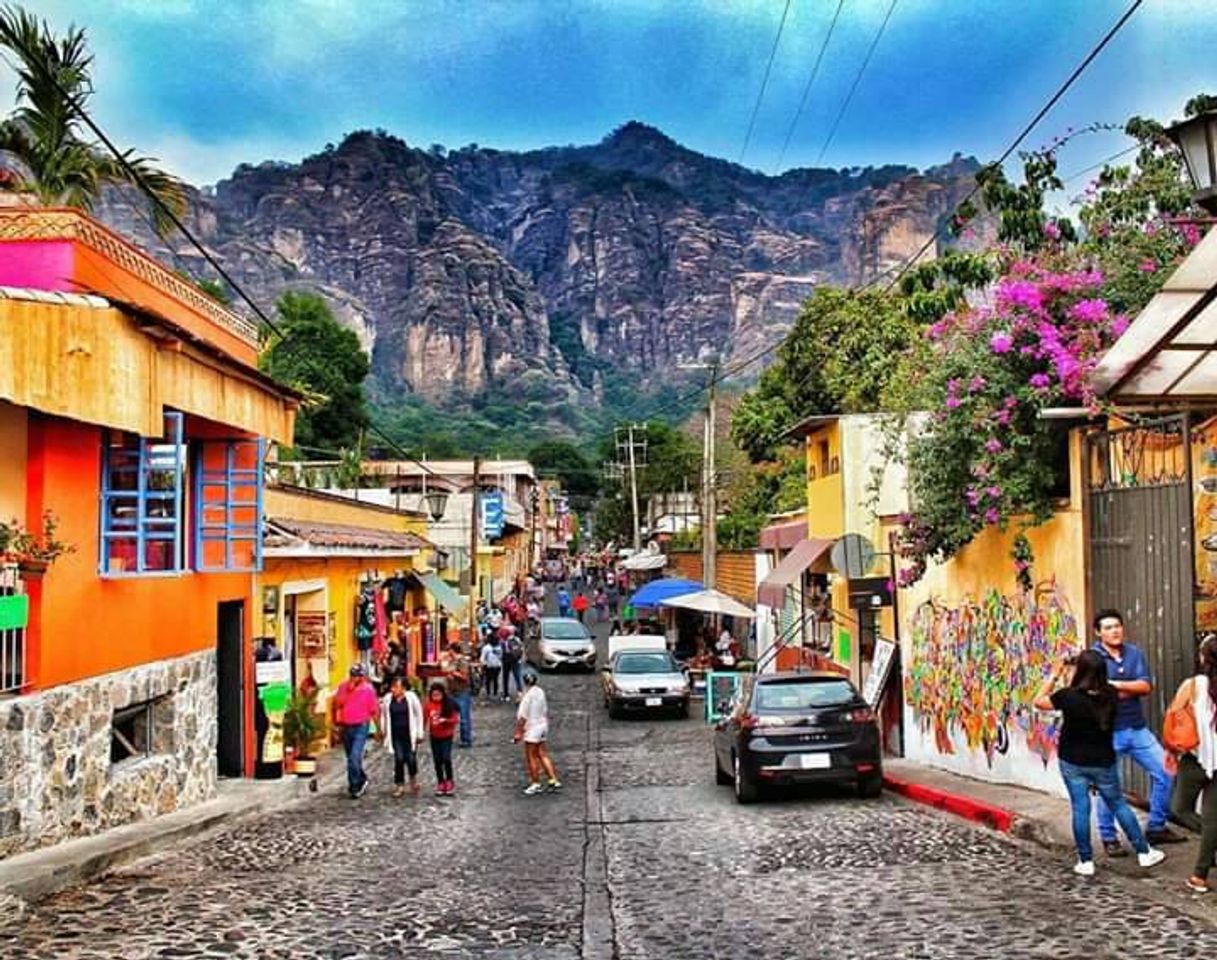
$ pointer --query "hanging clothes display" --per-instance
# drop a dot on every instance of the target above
(395, 593)
(365, 615)
(380, 632)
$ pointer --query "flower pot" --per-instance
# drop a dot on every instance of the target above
(306, 766)
(32, 569)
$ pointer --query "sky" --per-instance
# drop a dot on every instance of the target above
(206, 84)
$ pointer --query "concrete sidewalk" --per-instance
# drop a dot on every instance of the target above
(1045, 820)
(31, 876)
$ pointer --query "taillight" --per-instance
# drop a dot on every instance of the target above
(859, 715)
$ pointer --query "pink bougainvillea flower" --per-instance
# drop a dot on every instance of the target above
(1001, 342)
(972, 495)
(992, 515)
(1020, 293)
(1040, 381)
(1002, 417)
(993, 445)
(1052, 231)
(952, 402)
(994, 492)
(1119, 325)
(976, 384)
(1148, 266)
(1089, 311)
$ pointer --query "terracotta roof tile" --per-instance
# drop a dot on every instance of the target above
(319, 534)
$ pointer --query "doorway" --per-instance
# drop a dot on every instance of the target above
(230, 688)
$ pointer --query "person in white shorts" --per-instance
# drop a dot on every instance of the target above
(532, 726)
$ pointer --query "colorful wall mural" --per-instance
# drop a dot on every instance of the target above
(975, 668)
(1204, 506)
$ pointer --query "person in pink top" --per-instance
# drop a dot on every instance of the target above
(356, 708)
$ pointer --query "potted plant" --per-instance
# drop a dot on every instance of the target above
(33, 553)
(303, 727)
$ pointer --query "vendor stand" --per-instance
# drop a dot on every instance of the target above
(707, 671)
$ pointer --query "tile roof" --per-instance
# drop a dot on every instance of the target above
(283, 532)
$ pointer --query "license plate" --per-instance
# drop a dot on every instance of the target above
(654, 701)
(815, 761)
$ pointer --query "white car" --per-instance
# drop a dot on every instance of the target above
(562, 642)
(645, 680)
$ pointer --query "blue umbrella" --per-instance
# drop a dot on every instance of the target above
(655, 592)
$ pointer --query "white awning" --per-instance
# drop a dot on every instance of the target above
(645, 561)
(1169, 352)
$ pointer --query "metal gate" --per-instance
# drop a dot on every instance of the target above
(1141, 555)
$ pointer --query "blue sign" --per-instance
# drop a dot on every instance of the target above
(492, 515)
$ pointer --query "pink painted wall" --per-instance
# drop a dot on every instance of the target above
(39, 264)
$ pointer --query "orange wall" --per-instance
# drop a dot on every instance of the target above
(83, 625)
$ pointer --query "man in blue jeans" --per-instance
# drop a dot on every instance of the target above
(458, 674)
(1128, 671)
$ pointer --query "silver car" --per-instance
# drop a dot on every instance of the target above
(644, 680)
(563, 642)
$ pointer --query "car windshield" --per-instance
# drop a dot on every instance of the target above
(562, 630)
(804, 695)
(647, 663)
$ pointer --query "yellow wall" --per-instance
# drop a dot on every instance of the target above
(13, 444)
(825, 493)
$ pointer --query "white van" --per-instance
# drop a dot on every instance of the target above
(636, 641)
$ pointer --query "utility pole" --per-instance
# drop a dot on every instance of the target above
(475, 533)
(709, 536)
(634, 492)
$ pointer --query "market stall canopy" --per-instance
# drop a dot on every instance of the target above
(655, 592)
(444, 595)
(1169, 352)
(808, 553)
(644, 561)
(710, 601)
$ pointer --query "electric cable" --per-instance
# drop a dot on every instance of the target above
(764, 82)
(857, 80)
(807, 89)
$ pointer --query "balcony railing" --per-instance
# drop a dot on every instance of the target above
(54, 223)
(12, 642)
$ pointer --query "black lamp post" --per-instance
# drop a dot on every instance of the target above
(1196, 138)
(437, 503)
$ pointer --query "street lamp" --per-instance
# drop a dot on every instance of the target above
(1196, 138)
(437, 503)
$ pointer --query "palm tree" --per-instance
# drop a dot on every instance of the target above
(42, 149)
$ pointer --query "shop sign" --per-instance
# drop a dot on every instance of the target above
(312, 633)
(272, 671)
(492, 515)
(14, 612)
(881, 666)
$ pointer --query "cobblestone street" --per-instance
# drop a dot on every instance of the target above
(641, 856)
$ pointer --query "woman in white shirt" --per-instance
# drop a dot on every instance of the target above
(532, 726)
(1198, 768)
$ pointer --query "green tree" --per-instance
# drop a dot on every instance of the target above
(322, 358)
(54, 159)
(557, 457)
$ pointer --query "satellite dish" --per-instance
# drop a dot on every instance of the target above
(852, 556)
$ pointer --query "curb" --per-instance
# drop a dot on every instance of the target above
(988, 814)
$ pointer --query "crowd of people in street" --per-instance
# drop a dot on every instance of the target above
(488, 669)
(1100, 695)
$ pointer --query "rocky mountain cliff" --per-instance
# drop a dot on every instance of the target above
(555, 276)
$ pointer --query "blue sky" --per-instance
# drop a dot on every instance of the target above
(203, 84)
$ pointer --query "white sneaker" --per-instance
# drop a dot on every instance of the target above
(533, 789)
(1151, 858)
(1084, 868)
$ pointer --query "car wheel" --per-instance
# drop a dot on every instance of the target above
(721, 778)
(745, 789)
(869, 787)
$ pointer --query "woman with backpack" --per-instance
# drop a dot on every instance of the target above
(492, 665)
(513, 654)
(1086, 753)
(1197, 774)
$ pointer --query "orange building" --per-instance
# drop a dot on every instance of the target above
(132, 412)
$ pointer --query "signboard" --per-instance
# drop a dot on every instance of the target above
(866, 593)
(14, 612)
(881, 666)
(312, 633)
(492, 515)
(721, 690)
(272, 671)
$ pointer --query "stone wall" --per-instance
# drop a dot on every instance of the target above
(56, 777)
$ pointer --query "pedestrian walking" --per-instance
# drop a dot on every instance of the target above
(563, 602)
(1197, 767)
(613, 596)
(601, 604)
(492, 665)
(401, 722)
(459, 673)
(513, 657)
(1128, 671)
(532, 726)
(441, 718)
(1087, 755)
(355, 709)
(581, 605)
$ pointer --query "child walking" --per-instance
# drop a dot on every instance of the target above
(441, 718)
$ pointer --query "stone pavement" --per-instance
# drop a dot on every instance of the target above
(640, 857)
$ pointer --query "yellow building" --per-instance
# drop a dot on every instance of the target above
(321, 552)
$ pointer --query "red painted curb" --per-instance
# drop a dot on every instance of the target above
(994, 817)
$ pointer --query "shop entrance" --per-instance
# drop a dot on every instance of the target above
(230, 688)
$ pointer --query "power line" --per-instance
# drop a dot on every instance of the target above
(1043, 112)
(764, 82)
(857, 80)
(1102, 163)
(138, 179)
(807, 89)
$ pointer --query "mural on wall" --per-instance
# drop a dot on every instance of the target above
(975, 668)
(1204, 506)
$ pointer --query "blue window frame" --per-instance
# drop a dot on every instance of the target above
(228, 506)
(142, 480)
